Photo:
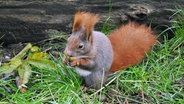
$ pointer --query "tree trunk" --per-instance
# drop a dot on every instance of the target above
(32, 21)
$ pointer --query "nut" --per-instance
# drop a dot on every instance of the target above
(72, 58)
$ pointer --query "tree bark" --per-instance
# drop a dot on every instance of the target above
(32, 21)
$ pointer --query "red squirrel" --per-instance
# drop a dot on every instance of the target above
(94, 54)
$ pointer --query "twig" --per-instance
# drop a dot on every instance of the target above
(49, 39)
(143, 98)
(119, 102)
(48, 49)
(178, 45)
(103, 87)
(100, 97)
(7, 76)
(134, 81)
(126, 100)
(8, 89)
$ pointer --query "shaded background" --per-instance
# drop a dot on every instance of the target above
(32, 21)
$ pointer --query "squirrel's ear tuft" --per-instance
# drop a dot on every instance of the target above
(78, 22)
(90, 21)
(86, 20)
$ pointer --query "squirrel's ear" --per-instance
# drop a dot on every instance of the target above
(78, 21)
(89, 36)
(86, 20)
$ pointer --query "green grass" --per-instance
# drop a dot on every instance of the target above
(46, 86)
(158, 79)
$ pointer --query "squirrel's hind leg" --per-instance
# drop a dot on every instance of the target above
(95, 80)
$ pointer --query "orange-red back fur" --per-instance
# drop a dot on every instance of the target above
(86, 20)
(130, 44)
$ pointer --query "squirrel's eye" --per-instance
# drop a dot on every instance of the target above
(81, 46)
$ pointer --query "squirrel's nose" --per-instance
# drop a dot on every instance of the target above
(68, 53)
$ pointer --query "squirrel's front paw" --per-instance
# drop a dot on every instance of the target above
(75, 63)
(65, 60)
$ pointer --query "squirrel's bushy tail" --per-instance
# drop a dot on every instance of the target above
(130, 44)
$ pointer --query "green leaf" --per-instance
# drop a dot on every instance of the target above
(35, 49)
(24, 72)
(10, 67)
(27, 73)
(21, 72)
(42, 63)
(40, 55)
(22, 53)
